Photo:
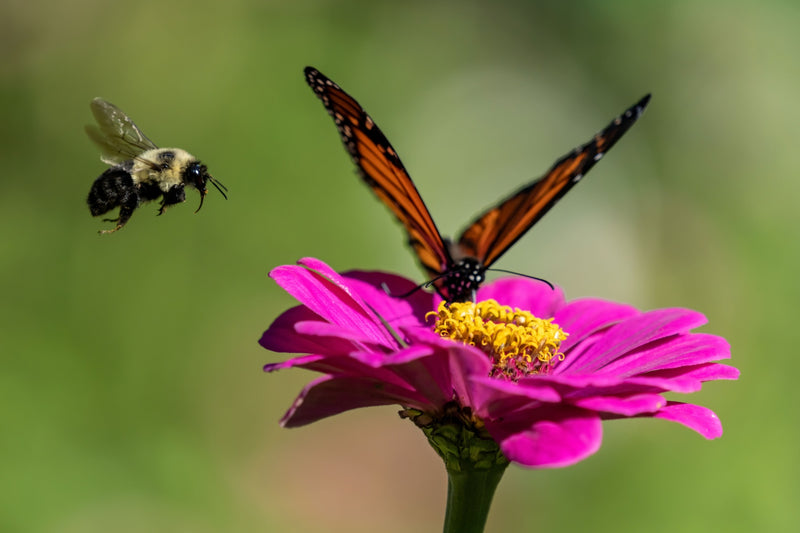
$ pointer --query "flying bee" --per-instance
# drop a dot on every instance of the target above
(140, 171)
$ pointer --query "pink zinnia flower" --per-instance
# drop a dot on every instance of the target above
(536, 378)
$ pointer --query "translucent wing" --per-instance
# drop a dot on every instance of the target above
(493, 232)
(117, 136)
(381, 169)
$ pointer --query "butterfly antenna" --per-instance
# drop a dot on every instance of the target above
(552, 287)
(393, 332)
(427, 285)
(388, 291)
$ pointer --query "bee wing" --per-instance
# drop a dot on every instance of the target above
(117, 136)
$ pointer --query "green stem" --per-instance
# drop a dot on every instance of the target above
(469, 497)
(473, 461)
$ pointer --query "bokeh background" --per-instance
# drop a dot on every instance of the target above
(131, 392)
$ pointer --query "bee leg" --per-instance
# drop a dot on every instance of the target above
(125, 212)
(173, 196)
(104, 231)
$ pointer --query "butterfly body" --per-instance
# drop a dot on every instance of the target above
(457, 268)
(461, 279)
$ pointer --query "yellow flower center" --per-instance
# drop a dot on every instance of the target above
(518, 343)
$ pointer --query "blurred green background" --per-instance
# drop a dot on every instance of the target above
(131, 394)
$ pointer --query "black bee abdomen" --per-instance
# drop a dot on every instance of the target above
(113, 188)
(463, 279)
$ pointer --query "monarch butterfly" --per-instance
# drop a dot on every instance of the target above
(456, 269)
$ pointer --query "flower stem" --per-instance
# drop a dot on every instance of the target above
(473, 460)
(469, 497)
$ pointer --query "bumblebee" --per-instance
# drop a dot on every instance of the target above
(140, 171)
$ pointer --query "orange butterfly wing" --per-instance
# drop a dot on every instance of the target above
(493, 232)
(457, 269)
(381, 169)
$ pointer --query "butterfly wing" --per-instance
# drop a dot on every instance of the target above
(117, 136)
(493, 232)
(381, 169)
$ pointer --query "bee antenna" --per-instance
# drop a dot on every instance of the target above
(552, 287)
(219, 186)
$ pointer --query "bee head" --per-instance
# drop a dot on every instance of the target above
(197, 175)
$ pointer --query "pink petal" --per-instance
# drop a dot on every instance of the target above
(530, 295)
(568, 437)
(587, 385)
(508, 396)
(327, 396)
(674, 352)
(292, 363)
(325, 293)
(679, 384)
(684, 380)
(625, 406)
(704, 372)
(396, 310)
(335, 334)
(702, 420)
(370, 365)
(401, 357)
(578, 381)
(581, 318)
(426, 373)
(282, 337)
(444, 375)
(434, 373)
(633, 333)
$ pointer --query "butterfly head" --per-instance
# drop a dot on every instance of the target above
(461, 281)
